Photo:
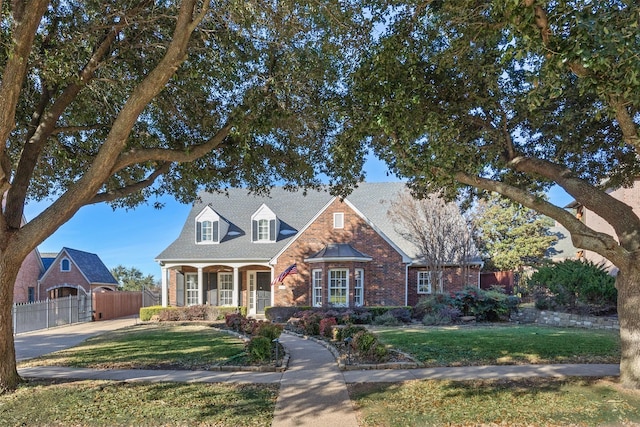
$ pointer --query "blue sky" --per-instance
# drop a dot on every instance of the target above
(135, 237)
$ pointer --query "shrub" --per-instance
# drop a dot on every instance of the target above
(268, 330)
(234, 321)
(259, 349)
(387, 319)
(282, 314)
(348, 331)
(574, 285)
(357, 316)
(432, 305)
(367, 346)
(326, 326)
(488, 305)
(146, 313)
(445, 316)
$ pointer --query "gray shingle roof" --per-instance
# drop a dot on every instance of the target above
(294, 209)
(91, 266)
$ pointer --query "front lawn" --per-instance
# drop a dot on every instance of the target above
(108, 403)
(150, 346)
(503, 345)
(527, 402)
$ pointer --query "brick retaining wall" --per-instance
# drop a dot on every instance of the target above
(552, 318)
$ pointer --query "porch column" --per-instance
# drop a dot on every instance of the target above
(200, 287)
(236, 287)
(164, 287)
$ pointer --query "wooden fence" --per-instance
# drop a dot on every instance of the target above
(504, 279)
(111, 305)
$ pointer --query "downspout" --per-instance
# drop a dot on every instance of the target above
(406, 284)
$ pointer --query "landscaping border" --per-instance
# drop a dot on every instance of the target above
(528, 315)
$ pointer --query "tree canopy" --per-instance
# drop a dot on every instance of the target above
(132, 279)
(121, 102)
(471, 97)
(510, 235)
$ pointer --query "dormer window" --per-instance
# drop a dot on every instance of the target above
(210, 227)
(265, 225)
(65, 265)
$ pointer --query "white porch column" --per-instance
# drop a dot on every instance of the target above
(164, 287)
(200, 287)
(236, 287)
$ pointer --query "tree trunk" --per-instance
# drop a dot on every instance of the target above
(9, 378)
(628, 284)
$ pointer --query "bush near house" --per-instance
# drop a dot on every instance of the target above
(261, 335)
(190, 313)
(575, 286)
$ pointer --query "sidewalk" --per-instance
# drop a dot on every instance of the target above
(313, 390)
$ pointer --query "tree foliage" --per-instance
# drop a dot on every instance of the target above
(132, 279)
(472, 97)
(511, 235)
(121, 102)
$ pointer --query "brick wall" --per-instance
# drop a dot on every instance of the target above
(452, 280)
(27, 277)
(384, 282)
(55, 277)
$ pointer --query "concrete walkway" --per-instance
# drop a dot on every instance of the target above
(313, 390)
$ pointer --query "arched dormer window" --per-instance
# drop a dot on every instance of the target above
(210, 227)
(65, 265)
(264, 225)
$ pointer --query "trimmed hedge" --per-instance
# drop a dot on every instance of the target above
(194, 312)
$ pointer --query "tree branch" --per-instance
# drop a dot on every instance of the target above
(582, 236)
(109, 196)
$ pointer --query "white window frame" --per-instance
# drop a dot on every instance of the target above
(263, 230)
(206, 231)
(358, 287)
(316, 286)
(338, 220)
(191, 288)
(62, 264)
(425, 280)
(225, 289)
(338, 287)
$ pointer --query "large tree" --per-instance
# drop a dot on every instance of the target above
(510, 235)
(513, 97)
(120, 102)
(132, 279)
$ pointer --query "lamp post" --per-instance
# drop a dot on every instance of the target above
(347, 343)
(276, 341)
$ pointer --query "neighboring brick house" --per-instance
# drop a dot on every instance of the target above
(627, 195)
(69, 272)
(347, 252)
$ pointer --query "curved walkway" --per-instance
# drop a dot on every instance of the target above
(313, 390)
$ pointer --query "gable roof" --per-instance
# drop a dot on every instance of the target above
(90, 265)
(295, 209)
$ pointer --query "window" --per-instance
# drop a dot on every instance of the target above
(265, 226)
(338, 220)
(339, 287)
(317, 288)
(207, 231)
(192, 288)
(426, 280)
(32, 293)
(65, 265)
(358, 288)
(263, 229)
(225, 288)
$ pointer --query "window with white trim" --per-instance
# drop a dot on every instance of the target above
(265, 226)
(316, 277)
(339, 287)
(263, 229)
(65, 265)
(210, 227)
(207, 231)
(427, 280)
(192, 288)
(225, 288)
(338, 220)
(358, 287)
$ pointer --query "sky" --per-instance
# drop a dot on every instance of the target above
(133, 238)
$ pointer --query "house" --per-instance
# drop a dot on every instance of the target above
(69, 272)
(346, 252)
(628, 195)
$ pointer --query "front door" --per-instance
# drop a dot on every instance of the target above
(263, 291)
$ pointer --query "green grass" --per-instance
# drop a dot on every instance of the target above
(504, 345)
(533, 402)
(105, 403)
(161, 346)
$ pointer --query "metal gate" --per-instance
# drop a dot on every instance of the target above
(46, 314)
